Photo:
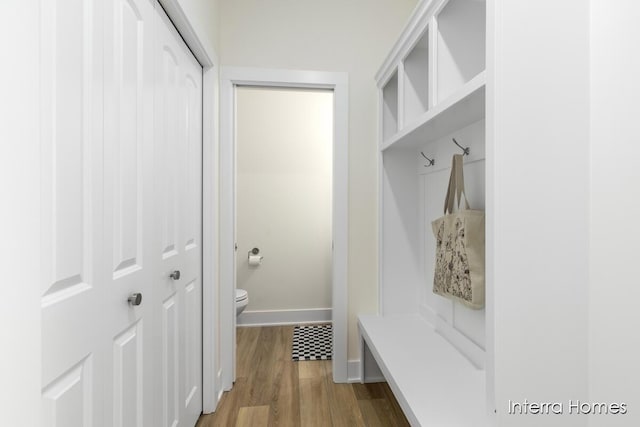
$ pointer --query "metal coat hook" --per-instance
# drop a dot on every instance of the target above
(464, 150)
(431, 161)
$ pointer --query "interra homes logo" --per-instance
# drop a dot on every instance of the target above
(572, 407)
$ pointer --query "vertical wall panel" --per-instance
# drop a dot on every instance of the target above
(541, 205)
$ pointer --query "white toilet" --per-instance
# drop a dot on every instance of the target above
(242, 299)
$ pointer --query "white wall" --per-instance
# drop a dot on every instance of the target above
(331, 35)
(20, 364)
(614, 347)
(204, 16)
(284, 174)
(538, 155)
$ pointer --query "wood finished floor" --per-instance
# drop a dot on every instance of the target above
(273, 390)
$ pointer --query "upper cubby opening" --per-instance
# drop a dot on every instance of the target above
(460, 52)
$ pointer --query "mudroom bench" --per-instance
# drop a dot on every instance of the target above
(434, 383)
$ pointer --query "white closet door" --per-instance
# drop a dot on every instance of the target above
(121, 210)
(128, 211)
(75, 349)
(178, 148)
(97, 83)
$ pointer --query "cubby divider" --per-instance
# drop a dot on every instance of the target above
(416, 83)
(390, 107)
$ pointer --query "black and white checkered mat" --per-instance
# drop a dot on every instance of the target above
(312, 342)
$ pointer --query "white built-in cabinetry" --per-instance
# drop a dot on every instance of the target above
(436, 354)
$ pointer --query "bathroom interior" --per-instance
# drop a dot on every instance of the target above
(284, 140)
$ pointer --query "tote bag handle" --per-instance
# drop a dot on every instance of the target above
(456, 186)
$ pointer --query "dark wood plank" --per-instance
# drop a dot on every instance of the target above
(369, 391)
(314, 403)
(227, 412)
(247, 339)
(398, 414)
(343, 405)
(285, 403)
(264, 358)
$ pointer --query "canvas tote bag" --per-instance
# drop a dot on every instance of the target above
(459, 266)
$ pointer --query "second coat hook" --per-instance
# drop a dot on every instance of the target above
(431, 161)
(465, 150)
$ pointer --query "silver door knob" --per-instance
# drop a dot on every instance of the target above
(175, 275)
(135, 299)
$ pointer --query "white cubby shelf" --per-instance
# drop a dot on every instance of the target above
(465, 106)
(436, 354)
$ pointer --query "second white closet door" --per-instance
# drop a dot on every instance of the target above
(129, 176)
(178, 215)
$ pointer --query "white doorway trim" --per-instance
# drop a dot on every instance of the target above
(338, 82)
(206, 56)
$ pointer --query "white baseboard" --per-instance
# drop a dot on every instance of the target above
(469, 349)
(284, 317)
(220, 393)
(465, 345)
(217, 393)
(353, 373)
(427, 313)
(220, 389)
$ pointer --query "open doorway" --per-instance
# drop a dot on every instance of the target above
(233, 78)
(284, 144)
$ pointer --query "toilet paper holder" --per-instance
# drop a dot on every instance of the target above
(254, 251)
(253, 258)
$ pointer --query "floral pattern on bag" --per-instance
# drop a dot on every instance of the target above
(452, 275)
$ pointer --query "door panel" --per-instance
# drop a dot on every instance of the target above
(125, 141)
(192, 346)
(128, 386)
(68, 400)
(169, 353)
(167, 124)
(192, 238)
(67, 86)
